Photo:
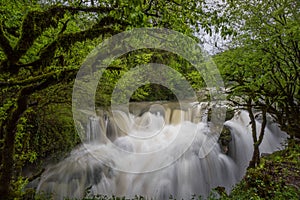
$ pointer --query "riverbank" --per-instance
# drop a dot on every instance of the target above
(277, 177)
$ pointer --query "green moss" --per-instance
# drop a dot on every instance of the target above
(277, 177)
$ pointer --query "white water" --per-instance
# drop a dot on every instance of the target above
(163, 139)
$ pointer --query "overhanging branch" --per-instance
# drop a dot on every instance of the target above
(41, 78)
(32, 27)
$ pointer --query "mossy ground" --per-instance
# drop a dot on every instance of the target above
(277, 177)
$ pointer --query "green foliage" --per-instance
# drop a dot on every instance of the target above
(261, 186)
(18, 187)
(42, 45)
(261, 69)
(147, 92)
(4, 108)
(53, 134)
(277, 177)
(22, 142)
(263, 61)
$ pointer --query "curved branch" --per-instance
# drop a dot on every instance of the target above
(37, 79)
(4, 43)
(32, 27)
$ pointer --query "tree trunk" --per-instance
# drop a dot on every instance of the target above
(254, 135)
(9, 132)
(255, 157)
(7, 165)
(256, 142)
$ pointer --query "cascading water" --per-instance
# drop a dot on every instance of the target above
(94, 167)
(241, 146)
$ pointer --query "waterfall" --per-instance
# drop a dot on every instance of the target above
(241, 146)
(93, 130)
(156, 154)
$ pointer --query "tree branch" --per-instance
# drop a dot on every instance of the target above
(33, 27)
(47, 54)
(4, 43)
(263, 126)
(35, 79)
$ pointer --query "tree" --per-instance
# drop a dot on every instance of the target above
(43, 42)
(262, 66)
(240, 72)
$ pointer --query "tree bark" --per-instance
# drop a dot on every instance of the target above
(256, 142)
(9, 132)
(255, 154)
(255, 157)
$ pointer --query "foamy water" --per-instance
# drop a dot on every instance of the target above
(156, 155)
